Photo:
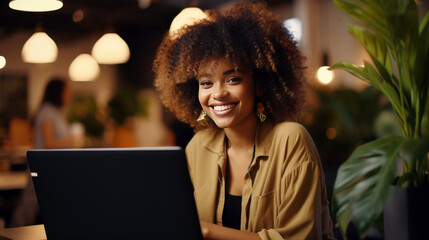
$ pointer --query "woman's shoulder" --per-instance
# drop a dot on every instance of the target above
(47, 111)
(206, 137)
(50, 108)
(290, 130)
(205, 144)
(292, 135)
(293, 139)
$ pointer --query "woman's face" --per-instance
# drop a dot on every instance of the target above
(226, 94)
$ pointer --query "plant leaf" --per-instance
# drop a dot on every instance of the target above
(415, 153)
(390, 91)
(424, 22)
(377, 49)
(366, 12)
(352, 69)
(363, 183)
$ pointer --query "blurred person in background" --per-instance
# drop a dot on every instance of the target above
(51, 131)
(50, 126)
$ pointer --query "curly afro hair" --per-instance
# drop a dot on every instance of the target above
(248, 35)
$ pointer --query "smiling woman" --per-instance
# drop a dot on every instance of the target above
(255, 170)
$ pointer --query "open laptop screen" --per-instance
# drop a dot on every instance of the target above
(123, 193)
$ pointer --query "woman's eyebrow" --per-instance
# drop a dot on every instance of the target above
(227, 72)
(232, 71)
(207, 75)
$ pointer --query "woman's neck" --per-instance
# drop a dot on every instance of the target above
(242, 136)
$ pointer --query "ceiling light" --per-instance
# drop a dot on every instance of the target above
(36, 5)
(2, 62)
(39, 48)
(187, 16)
(111, 49)
(84, 68)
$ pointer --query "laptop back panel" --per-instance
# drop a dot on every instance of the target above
(114, 194)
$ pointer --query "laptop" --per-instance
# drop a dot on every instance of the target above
(121, 193)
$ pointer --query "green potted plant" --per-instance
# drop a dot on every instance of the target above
(397, 40)
(122, 107)
(84, 109)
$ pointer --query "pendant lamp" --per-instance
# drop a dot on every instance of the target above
(84, 68)
(187, 16)
(39, 48)
(2, 62)
(111, 49)
(35, 5)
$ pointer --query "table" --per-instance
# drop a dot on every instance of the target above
(9, 179)
(35, 232)
(13, 180)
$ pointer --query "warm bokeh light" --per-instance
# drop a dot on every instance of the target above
(36, 5)
(84, 68)
(294, 26)
(2, 62)
(324, 75)
(143, 4)
(39, 48)
(187, 16)
(78, 16)
(111, 49)
(331, 133)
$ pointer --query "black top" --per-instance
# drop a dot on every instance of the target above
(231, 216)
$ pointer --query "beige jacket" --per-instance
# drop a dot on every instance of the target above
(284, 194)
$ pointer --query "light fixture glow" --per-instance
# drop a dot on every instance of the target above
(324, 75)
(187, 16)
(111, 49)
(143, 4)
(36, 5)
(84, 68)
(78, 16)
(331, 133)
(294, 26)
(39, 48)
(2, 62)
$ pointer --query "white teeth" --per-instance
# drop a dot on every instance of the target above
(223, 107)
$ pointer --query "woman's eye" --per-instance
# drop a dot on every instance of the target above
(234, 80)
(205, 83)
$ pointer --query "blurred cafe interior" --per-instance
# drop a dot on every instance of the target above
(105, 49)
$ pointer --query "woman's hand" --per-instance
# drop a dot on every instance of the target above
(217, 232)
(205, 229)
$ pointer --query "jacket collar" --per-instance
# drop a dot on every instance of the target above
(215, 141)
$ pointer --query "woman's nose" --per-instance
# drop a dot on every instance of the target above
(220, 93)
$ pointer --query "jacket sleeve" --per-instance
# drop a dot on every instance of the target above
(300, 210)
(303, 210)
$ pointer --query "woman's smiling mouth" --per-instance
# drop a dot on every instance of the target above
(223, 107)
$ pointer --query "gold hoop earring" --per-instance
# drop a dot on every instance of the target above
(203, 119)
(260, 112)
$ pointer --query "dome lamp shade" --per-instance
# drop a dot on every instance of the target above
(111, 49)
(39, 48)
(36, 5)
(84, 68)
